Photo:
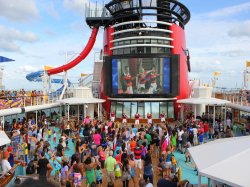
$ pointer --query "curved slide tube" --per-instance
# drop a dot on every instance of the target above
(78, 59)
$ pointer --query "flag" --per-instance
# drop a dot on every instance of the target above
(4, 59)
(46, 68)
(216, 73)
(84, 74)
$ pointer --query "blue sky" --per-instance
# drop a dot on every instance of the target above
(40, 32)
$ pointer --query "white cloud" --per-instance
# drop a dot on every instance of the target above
(9, 37)
(212, 48)
(14, 34)
(21, 10)
(75, 5)
(27, 69)
(8, 46)
(242, 29)
(79, 5)
(228, 11)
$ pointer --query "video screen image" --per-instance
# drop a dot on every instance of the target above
(141, 76)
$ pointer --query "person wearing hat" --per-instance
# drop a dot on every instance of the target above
(11, 155)
(6, 167)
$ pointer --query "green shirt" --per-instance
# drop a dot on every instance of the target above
(148, 137)
(110, 163)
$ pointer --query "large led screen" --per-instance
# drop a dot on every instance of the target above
(141, 76)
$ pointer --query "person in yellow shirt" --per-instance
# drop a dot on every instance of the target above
(49, 134)
(25, 151)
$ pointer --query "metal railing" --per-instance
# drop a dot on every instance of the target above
(234, 97)
(24, 101)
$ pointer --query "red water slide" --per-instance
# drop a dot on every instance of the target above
(78, 59)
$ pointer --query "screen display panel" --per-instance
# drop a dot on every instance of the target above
(140, 76)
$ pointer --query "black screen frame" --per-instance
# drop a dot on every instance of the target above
(174, 76)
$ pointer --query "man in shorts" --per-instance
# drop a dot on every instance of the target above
(137, 153)
(110, 165)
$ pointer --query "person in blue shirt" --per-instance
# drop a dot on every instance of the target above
(134, 129)
(98, 173)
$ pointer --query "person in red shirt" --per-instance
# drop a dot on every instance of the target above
(137, 117)
(206, 129)
(112, 116)
(152, 75)
(133, 145)
(162, 116)
(124, 119)
(142, 80)
(137, 153)
(126, 79)
(149, 116)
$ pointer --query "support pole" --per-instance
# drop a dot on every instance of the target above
(214, 116)
(101, 112)
(182, 113)
(3, 122)
(194, 111)
(199, 180)
(98, 110)
(84, 106)
(45, 82)
(36, 117)
(209, 182)
(49, 92)
(225, 115)
(68, 112)
(78, 113)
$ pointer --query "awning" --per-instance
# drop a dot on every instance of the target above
(4, 139)
(224, 160)
(80, 101)
(239, 107)
(206, 101)
(41, 107)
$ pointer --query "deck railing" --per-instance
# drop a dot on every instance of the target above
(24, 101)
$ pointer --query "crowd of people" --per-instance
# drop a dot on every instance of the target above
(94, 153)
(7, 94)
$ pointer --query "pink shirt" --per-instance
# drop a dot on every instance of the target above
(110, 123)
(87, 121)
(164, 145)
(102, 155)
(97, 139)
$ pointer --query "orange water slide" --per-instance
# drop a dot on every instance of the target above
(79, 58)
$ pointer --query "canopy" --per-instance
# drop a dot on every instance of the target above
(79, 101)
(239, 107)
(207, 101)
(4, 139)
(4, 59)
(224, 160)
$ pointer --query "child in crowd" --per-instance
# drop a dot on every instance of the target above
(54, 136)
(174, 163)
(49, 134)
(98, 173)
(161, 166)
(25, 150)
